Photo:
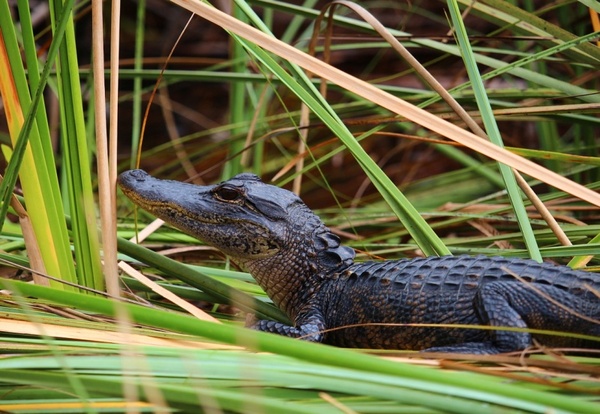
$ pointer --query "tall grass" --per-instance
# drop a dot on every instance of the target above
(397, 169)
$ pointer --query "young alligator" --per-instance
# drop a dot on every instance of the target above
(311, 277)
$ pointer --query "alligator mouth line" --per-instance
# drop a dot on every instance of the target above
(155, 206)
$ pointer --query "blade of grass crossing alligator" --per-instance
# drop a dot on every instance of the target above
(425, 238)
(219, 290)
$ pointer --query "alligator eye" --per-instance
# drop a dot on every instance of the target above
(227, 194)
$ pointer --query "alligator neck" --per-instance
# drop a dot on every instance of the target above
(311, 255)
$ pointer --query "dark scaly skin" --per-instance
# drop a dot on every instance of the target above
(309, 275)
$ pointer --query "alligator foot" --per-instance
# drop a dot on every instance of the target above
(307, 332)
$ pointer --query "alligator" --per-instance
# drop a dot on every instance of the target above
(461, 304)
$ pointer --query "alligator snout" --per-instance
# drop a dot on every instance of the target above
(136, 175)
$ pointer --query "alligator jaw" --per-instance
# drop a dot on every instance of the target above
(164, 198)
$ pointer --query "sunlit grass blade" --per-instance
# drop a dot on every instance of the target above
(33, 155)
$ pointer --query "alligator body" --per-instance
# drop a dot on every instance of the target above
(309, 275)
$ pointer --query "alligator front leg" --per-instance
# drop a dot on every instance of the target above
(310, 326)
(533, 306)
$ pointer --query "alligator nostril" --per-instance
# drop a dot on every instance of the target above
(138, 175)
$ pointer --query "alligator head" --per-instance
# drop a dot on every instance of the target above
(266, 229)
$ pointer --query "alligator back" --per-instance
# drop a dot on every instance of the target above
(443, 290)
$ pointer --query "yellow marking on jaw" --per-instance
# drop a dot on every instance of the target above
(156, 206)
(144, 202)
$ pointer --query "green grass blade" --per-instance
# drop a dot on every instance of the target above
(77, 165)
(239, 110)
(492, 130)
(38, 174)
(219, 290)
(136, 116)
